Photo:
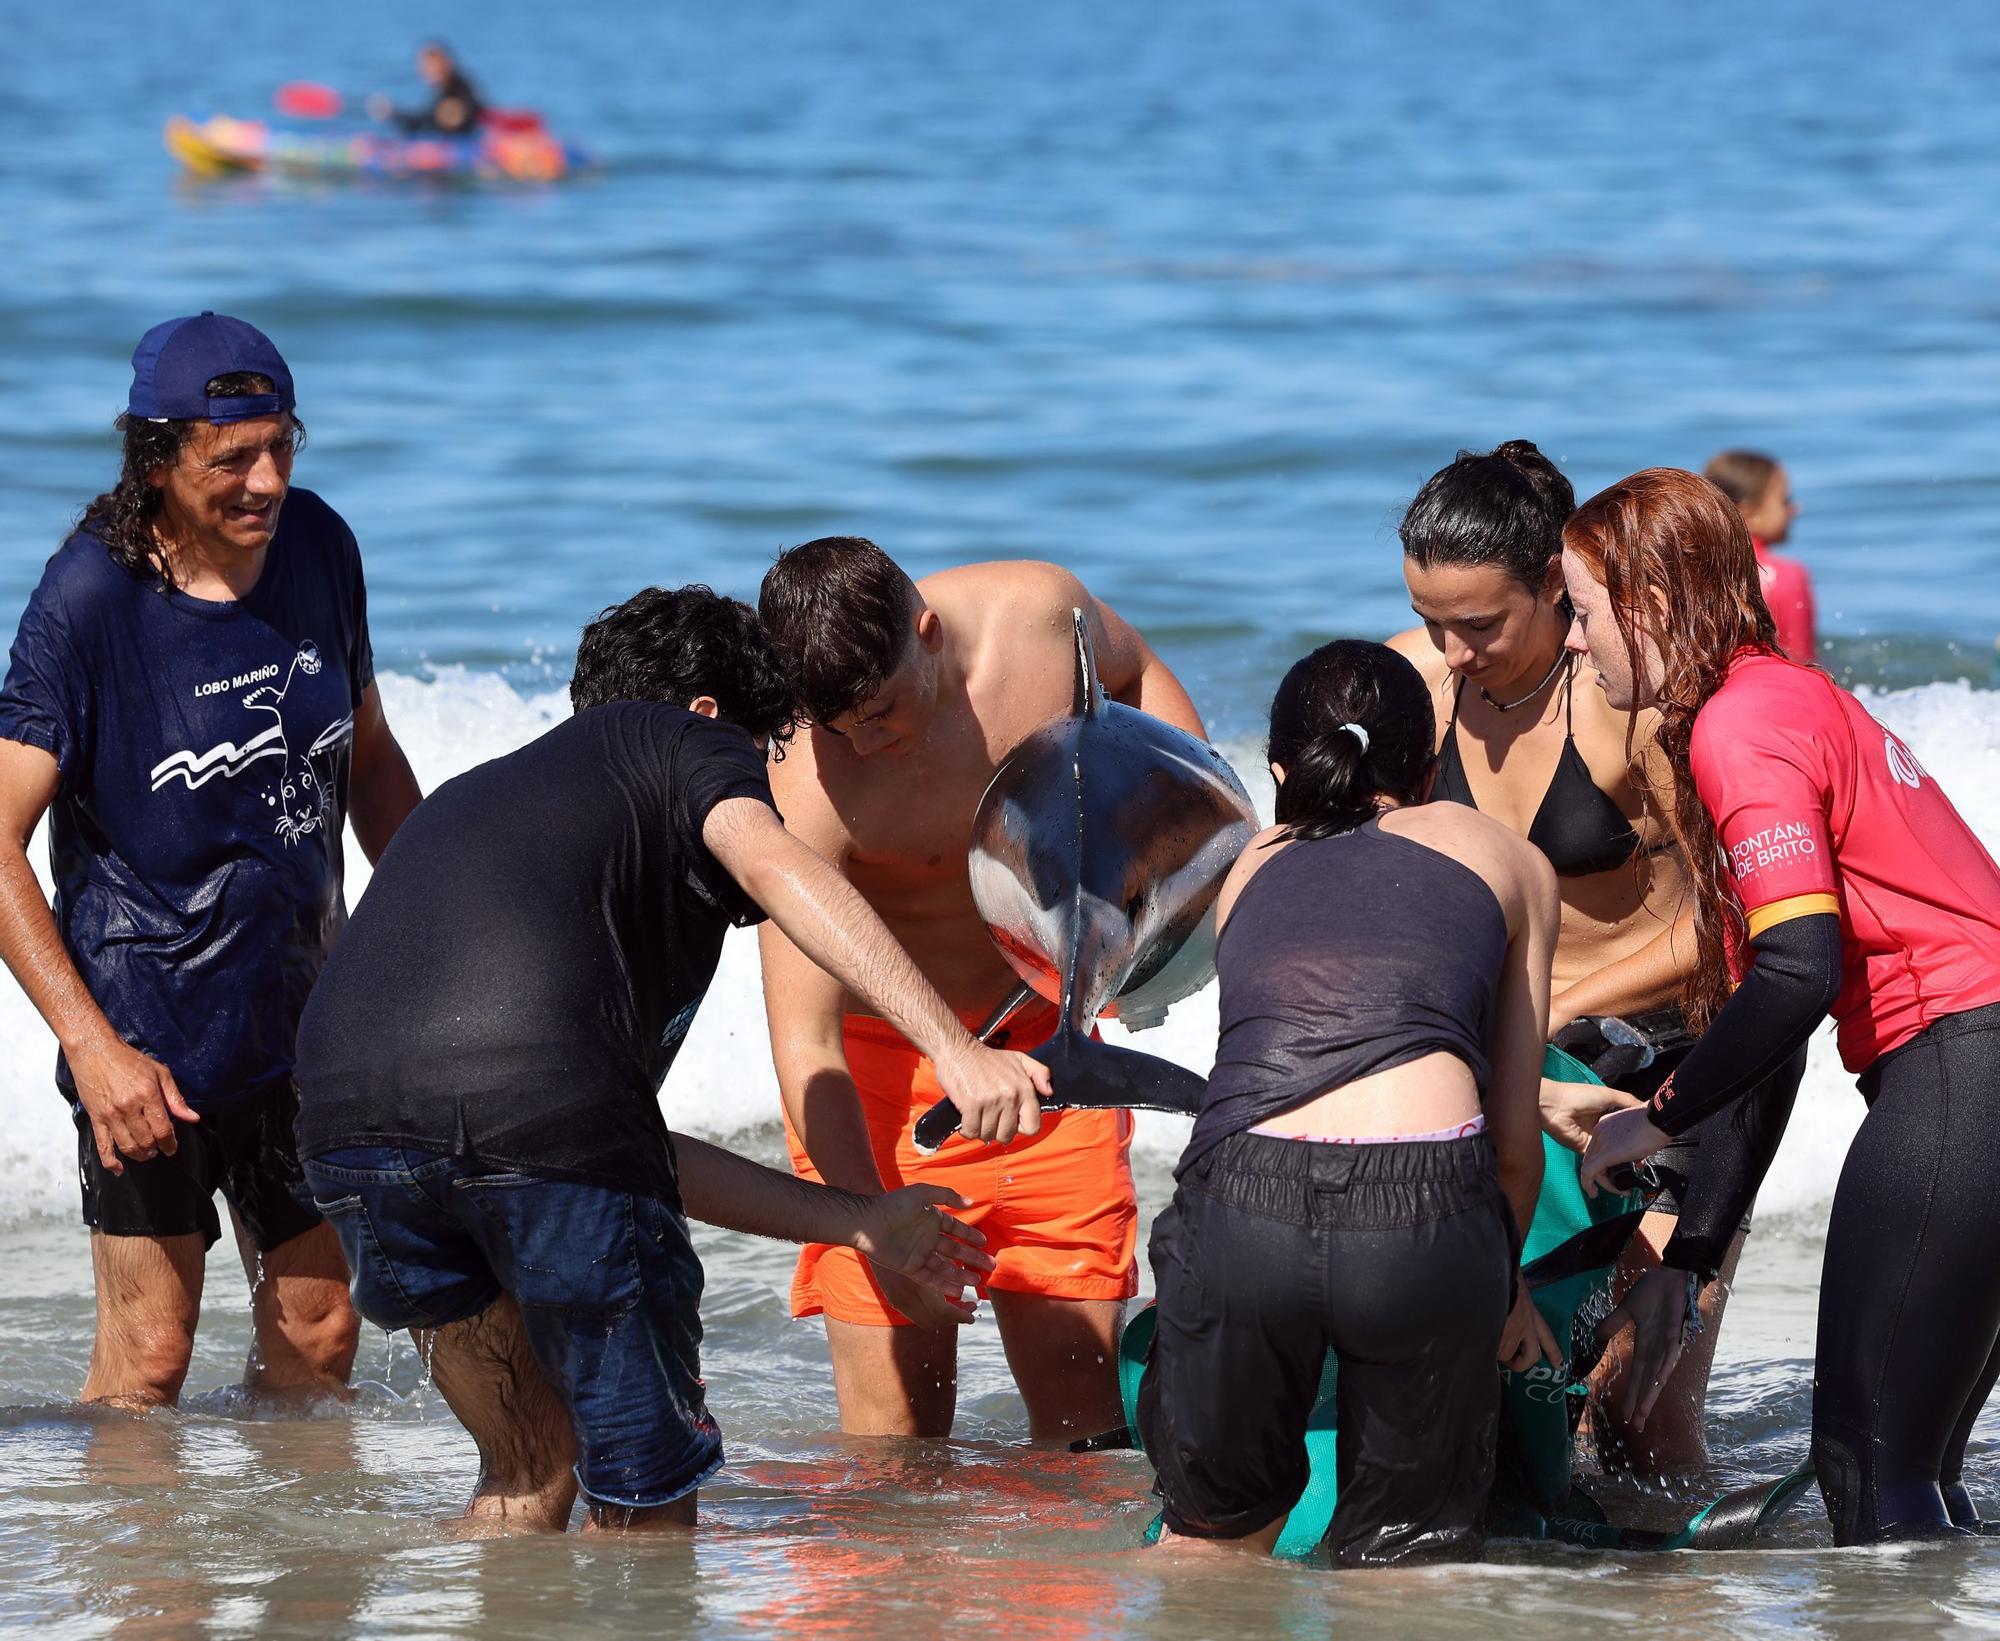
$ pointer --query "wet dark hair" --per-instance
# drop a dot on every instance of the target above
(1506, 507)
(673, 645)
(839, 612)
(123, 517)
(1741, 475)
(1332, 779)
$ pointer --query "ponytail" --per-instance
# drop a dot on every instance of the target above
(1505, 506)
(1327, 790)
(1352, 723)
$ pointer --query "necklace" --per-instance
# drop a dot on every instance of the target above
(1509, 706)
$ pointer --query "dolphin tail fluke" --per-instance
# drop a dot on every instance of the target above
(1089, 695)
(1731, 1522)
(1091, 1075)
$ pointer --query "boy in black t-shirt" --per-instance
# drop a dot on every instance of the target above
(479, 1068)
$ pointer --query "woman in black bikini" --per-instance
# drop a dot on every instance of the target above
(1529, 740)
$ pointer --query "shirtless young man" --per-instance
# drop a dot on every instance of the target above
(916, 693)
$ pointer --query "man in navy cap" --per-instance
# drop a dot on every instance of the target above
(191, 699)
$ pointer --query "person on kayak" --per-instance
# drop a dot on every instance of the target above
(456, 107)
(1832, 875)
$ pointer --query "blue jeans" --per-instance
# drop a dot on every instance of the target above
(607, 1282)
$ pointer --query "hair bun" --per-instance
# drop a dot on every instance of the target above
(1515, 450)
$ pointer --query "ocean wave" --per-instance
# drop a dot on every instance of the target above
(722, 1083)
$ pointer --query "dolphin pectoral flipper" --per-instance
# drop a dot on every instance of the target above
(1089, 1075)
(1092, 1075)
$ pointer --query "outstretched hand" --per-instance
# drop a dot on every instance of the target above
(925, 1257)
(1656, 1311)
(1621, 1137)
(998, 1093)
(1570, 1112)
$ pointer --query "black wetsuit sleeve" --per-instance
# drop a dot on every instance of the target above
(1791, 985)
(1737, 1145)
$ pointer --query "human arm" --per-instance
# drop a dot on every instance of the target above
(998, 1094)
(1635, 985)
(1737, 1146)
(1518, 1033)
(1132, 674)
(905, 1233)
(382, 788)
(804, 1006)
(131, 1099)
(1513, 1087)
(409, 121)
(1792, 983)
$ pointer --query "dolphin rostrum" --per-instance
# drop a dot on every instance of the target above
(1097, 853)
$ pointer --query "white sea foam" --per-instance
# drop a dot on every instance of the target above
(722, 1083)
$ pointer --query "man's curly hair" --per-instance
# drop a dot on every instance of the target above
(675, 644)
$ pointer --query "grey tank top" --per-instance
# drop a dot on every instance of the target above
(1343, 957)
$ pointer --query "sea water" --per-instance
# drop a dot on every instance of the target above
(1190, 298)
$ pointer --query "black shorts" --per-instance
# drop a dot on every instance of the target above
(245, 1151)
(1398, 1259)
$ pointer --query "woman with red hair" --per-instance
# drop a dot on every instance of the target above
(1832, 875)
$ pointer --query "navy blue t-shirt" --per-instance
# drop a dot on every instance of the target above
(204, 746)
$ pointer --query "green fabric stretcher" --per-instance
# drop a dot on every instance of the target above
(1567, 1259)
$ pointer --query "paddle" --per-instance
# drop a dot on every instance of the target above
(307, 100)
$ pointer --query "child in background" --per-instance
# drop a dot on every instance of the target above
(1762, 492)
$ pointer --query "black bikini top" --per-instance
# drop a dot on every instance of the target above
(1577, 826)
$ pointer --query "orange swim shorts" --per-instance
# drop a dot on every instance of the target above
(1057, 1208)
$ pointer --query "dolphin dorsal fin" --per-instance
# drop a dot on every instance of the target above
(1089, 696)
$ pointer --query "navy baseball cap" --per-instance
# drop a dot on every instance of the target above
(174, 363)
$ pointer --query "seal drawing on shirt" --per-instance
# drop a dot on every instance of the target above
(300, 795)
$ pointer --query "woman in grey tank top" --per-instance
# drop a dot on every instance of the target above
(1368, 1144)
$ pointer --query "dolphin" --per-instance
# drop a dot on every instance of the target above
(1097, 852)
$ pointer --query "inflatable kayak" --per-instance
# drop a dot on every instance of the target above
(1567, 1261)
(223, 146)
